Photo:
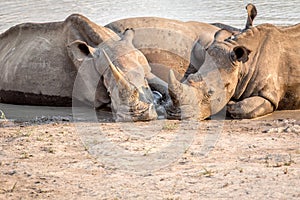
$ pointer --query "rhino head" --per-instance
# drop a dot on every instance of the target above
(206, 92)
(114, 72)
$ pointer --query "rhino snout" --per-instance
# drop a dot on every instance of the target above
(141, 112)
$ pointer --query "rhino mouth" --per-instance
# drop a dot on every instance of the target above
(129, 107)
(139, 112)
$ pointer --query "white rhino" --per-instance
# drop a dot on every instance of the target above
(174, 45)
(258, 73)
(39, 64)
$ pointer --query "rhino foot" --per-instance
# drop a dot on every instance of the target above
(249, 108)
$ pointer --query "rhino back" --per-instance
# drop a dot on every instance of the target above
(34, 60)
(166, 43)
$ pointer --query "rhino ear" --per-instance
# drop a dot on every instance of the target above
(240, 53)
(78, 51)
(252, 12)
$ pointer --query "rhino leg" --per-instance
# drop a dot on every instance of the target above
(249, 108)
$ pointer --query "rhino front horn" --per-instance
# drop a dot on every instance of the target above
(117, 73)
(184, 98)
(175, 88)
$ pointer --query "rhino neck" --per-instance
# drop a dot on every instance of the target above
(245, 76)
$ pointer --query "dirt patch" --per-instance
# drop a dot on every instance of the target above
(257, 159)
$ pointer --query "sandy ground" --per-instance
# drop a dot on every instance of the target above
(213, 159)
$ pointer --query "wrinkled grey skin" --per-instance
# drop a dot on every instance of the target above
(40, 62)
(259, 71)
(173, 45)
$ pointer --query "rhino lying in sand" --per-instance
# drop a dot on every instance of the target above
(257, 71)
(40, 62)
(172, 44)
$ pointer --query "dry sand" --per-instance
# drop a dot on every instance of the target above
(213, 159)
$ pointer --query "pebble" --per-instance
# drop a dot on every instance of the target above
(11, 172)
(287, 129)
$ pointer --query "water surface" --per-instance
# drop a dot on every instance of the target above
(103, 11)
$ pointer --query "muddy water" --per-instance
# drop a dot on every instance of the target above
(102, 12)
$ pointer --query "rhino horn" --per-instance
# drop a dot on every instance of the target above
(185, 99)
(117, 73)
(175, 88)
